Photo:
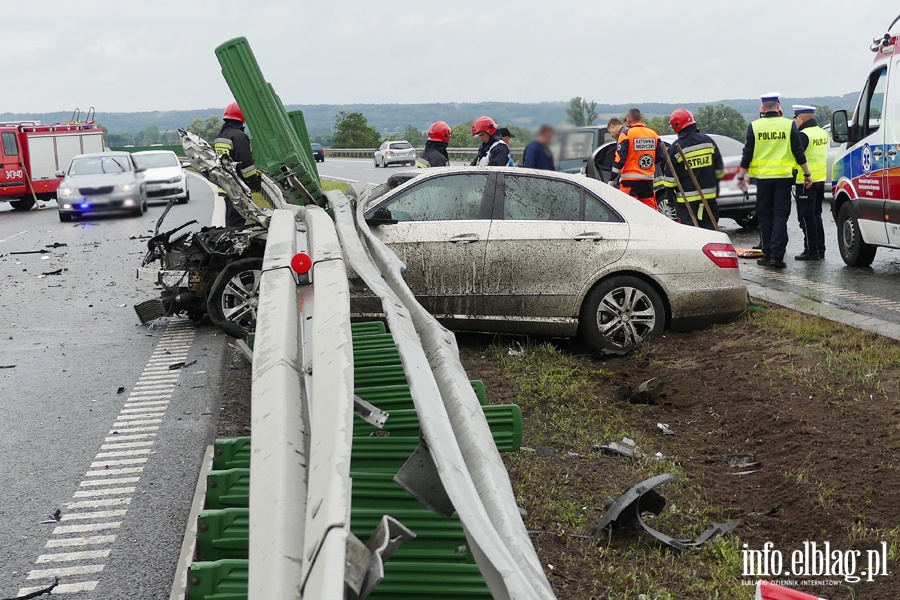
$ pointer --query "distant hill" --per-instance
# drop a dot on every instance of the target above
(391, 118)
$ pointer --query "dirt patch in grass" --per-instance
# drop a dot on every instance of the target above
(814, 403)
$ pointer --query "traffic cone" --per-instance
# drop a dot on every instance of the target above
(770, 591)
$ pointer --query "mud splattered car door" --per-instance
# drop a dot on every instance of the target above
(441, 235)
(549, 239)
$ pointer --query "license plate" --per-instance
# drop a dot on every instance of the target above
(154, 188)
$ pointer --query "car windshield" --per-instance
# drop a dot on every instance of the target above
(156, 161)
(400, 146)
(316, 147)
(99, 165)
(727, 146)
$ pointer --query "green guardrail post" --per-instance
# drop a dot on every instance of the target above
(276, 146)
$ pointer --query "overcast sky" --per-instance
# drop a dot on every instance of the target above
(139, 55)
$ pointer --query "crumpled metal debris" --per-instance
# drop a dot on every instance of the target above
(664, 428)
(629, 448)
(54, 518)
(517, 351)
(626, 511)
(746, 464)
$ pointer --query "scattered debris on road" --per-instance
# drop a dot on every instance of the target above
(40, 592)
(7, 366)
(56, 245)
(54, 518)
(42, 251)
(181, 365)
(121, 389)
(56, 272)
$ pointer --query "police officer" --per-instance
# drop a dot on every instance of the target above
(435, 152)
(494, 152)
(814, 140)
(637, 154)
(772, 152)
(234, 141)
(706, 162)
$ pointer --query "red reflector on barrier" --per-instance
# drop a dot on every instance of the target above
(723, 255)
(301, 263)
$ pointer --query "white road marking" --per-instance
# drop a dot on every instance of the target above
(99, 503)
(70, 556)
(127, 445)
(15, 235)
(98, 514)
(124, 452)
(112, 472)
(104, 481)
(106, 492)
(129, 442)
(64, 571)
(90, 540)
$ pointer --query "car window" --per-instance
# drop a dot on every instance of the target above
(872, 102)
(728, 146)
(401, 146)
(597, 210)
(10, 145)
(449, 198)
(539, 199)
(100, 165)
(576, 144)
(156, 161)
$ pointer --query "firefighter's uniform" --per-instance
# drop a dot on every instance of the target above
(233, 141)
(637, 154)
(706, 162)
(771, 154)
(814, 140)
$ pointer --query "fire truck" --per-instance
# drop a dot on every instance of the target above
(31, 155)
(866, 176)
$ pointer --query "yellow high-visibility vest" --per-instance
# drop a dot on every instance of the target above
(772, 156)
(816, 155)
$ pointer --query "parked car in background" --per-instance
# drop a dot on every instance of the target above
(733, 202)
(318, 152)
(392, 153)
(164, 175)
(525, 251)
(572, 148)
(101, 182)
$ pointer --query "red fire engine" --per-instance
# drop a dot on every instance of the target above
(31, 154)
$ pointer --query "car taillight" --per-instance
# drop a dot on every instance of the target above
(731, 173)
(723, 255)
(388, 152)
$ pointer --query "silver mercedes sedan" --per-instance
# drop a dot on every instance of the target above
(538, 252)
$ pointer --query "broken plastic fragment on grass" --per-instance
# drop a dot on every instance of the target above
(664, 428)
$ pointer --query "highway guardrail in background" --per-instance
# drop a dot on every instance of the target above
(454, 153)
(286, 511)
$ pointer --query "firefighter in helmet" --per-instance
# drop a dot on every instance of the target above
(234, 141)
(435, 152)
(493, 151)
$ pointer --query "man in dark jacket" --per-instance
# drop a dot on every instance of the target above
(706, 162)
(537, 153)
(234, 141)
(493, 151)
(435, 152)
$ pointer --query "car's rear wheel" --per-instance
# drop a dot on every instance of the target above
(620, 313)
(854, 251)
(234, 297)
(23, 204)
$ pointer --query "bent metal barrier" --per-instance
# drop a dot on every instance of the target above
(321, 477)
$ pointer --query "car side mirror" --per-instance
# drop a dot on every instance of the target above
(840, 127)
(381, 216)
(60, 173)
(186, 164)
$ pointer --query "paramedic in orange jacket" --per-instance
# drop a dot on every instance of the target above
(637, 155)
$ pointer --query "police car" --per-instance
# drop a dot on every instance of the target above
(866, 175)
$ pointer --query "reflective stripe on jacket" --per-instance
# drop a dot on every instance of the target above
(638, 152)
(772, 155)
(816, 152)
(233, 141)
(705, 161)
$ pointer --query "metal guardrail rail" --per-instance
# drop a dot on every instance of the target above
(321, 482)
(454, 153)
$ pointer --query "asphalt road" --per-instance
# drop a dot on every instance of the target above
(870, 291)
(72, 340)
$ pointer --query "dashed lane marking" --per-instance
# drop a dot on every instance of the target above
(101, 501)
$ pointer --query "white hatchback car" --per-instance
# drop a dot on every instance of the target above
(538, 252)
(393, 153)
(164, 174)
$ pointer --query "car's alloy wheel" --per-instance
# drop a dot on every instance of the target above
(621, 313)
(234, 297)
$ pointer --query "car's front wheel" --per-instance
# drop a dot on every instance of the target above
(23, 204)
(854, 251)
(620, 313)
(234, 297)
